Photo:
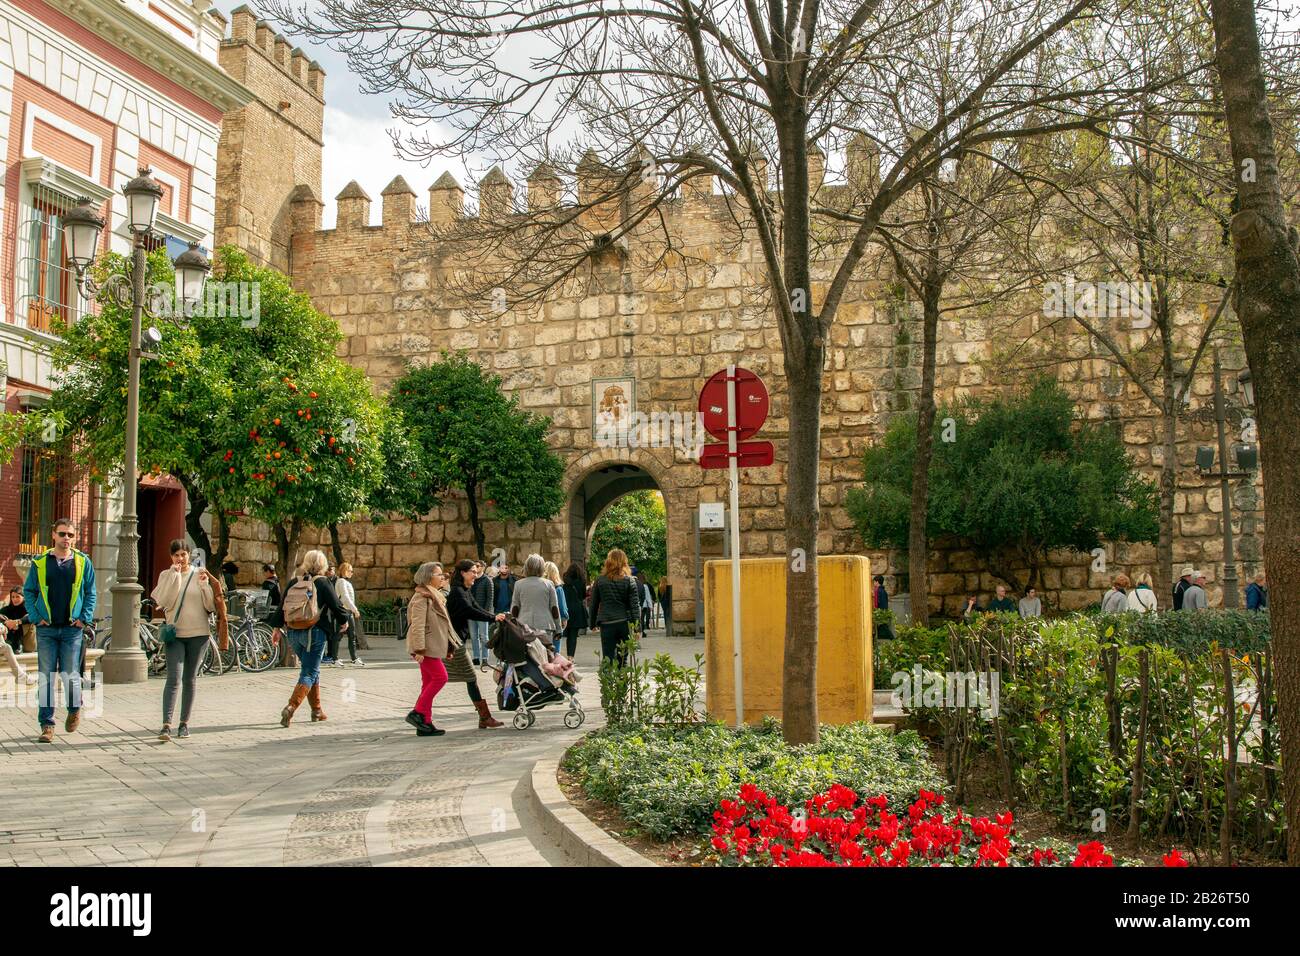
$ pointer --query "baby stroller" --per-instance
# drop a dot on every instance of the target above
(522, 684)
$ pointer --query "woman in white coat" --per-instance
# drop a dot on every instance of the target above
(1142, 598)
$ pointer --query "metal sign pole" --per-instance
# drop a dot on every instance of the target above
(734, 473)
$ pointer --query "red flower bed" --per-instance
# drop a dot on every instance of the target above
(836, 829)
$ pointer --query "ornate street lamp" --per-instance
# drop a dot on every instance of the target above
(192, 268)
(1247, 386)
(82, 226)
(142, 196)
(125, 661)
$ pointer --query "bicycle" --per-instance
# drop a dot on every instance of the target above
(252, 645)
(99, 634)
(156, 651)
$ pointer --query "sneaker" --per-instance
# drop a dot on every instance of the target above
(47, 735)
(165, 733)
(416, 720)
(328, 662)
(73, 721)
(358, 663)
(184, 731)
(429, 731)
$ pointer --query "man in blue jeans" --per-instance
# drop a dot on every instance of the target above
(60, 590)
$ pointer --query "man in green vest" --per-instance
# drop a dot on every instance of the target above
(60, 592)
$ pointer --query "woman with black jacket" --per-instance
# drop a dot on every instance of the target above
(615, 601)
(462, 608)
(575, 595)
(484, 595)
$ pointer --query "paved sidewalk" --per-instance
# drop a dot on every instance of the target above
(359, 789)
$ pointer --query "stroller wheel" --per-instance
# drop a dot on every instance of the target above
(574, 718)
(522, 720)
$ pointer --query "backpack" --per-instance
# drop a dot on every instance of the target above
(300, 607)
(509, 640)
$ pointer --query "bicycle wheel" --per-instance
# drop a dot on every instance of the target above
(158, 659)
(230, 656)
(210, 662)
(258, 652)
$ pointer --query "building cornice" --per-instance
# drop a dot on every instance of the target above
(40, 170)
(158, 50)
(168, 225)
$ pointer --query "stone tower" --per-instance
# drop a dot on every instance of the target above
(270, 151)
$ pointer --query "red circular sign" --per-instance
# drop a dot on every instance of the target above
(751, 404)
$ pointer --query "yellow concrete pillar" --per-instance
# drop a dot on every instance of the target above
(844, 639)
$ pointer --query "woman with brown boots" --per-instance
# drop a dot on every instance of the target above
(462, 608)
(310, 613)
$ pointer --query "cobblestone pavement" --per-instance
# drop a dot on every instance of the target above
(359, 789)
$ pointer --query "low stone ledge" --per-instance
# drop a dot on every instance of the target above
(564, 823)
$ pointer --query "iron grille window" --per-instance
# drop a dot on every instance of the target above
(49, 489)
(47, 287)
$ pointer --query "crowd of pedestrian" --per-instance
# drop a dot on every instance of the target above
(1124, 594)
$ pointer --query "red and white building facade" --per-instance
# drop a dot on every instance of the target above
(91, 90)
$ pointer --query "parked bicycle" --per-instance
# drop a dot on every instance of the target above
(252, 646)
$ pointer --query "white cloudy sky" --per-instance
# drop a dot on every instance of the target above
(357, 142)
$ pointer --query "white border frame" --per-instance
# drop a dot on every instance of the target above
(34, 111)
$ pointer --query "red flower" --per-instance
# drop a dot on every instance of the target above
(1174, 858)
(1093, 854)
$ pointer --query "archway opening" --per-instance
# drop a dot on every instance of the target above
(620, 505)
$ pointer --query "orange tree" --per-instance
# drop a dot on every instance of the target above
(207, 377)
(469, 436)
(307, 451)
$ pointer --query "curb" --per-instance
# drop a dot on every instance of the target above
(587, 843)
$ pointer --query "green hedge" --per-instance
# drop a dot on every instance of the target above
(1071, 711)
(1183, 632)
(669, 781)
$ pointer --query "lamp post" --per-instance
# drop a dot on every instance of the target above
(1246, 458)
(125, 661)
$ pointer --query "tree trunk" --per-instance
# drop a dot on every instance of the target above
(286, 547)
(1268, 273)
(918, 538)
(1168, 486)
(222, 523)
(474, 521)
(1168, 468)
(194, 518)
(802, 511)
(335, 544)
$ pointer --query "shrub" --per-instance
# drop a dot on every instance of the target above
(657, 691)
(1070, 715)
(669, 780)
(912, 645)
(1195, 631)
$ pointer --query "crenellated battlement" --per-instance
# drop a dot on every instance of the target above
(248, 30)
(545, 188)
(271, 147)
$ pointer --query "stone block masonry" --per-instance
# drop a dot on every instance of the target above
(665, 327)
(270, 147)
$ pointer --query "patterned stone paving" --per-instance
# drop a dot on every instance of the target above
(359, 789)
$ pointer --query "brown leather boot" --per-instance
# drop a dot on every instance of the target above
(313, 698)
(485, 718)
(286, 715)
